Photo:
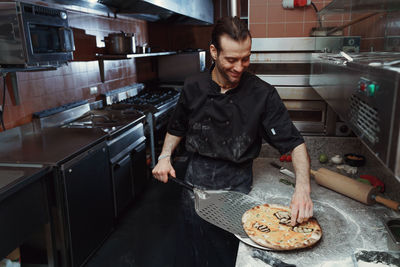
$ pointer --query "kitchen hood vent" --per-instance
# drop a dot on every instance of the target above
(193, 12)
(345, 6)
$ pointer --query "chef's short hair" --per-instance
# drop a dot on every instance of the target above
(234, 27)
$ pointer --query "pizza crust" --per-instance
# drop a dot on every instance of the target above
(267, 225)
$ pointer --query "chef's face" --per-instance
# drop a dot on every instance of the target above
(232, 59)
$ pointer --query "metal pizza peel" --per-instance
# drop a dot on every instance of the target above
(221, 208)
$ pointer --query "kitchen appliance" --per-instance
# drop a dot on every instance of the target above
(362, 192)
(172, 11)
(156, 102)
(120, 43)
(125, 142)
(176, 68)
(34, 35)
(363, 89)
(81, 191)
(285, 63)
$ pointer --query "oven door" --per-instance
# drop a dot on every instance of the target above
(47, 43)
(122, 178)
(48, 39)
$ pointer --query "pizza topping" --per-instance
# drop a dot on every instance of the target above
(302, 229)
(261, 227)
(283, 217)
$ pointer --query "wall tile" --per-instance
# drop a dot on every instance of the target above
(295, 15)
(259, 14)
(294, 30)
(275, 14)
(276, 30)
(258, 30)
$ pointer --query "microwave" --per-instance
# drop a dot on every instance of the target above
(34, 36)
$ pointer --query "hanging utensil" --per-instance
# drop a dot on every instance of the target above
(221, 208)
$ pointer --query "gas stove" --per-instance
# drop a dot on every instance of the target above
(79, 115)
(110, 121)
(156, 103)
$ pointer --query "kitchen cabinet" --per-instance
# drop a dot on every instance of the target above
(84, 189)
(24, 211)
(81, 192)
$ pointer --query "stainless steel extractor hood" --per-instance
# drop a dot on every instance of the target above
(174, 11)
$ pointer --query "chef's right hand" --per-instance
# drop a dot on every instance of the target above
(163, 169)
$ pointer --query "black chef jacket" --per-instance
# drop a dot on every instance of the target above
(231, 126)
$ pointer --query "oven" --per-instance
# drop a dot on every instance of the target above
(34, 35)
(156, 103)
(363, 89)
(125, 141)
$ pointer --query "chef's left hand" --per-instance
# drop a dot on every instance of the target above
(301, 205)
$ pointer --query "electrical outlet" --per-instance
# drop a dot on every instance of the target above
(93, 90)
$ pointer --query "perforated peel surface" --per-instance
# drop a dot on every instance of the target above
(224, 208)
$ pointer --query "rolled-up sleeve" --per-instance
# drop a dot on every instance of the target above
(278, 129)
(178, 123)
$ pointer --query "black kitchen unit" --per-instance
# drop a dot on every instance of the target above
(24, 211)
(125, 141)
(82, 212)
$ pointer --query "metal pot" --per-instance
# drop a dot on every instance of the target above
(120, 43)
(130, 41)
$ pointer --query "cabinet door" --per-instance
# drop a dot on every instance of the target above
(123, 188)
(139, 169)
(88, 203)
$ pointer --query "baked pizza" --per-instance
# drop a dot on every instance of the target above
(269, 226)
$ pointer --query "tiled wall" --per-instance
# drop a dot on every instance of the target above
(376, 29)
(267, 18)
(47, 89)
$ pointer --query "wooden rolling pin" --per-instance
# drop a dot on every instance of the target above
(352, 188)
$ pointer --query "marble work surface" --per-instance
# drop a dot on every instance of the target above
(347, 225)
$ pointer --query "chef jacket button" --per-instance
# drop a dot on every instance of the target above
(227, 122)
(212, 99)
(223, 142)
(231, 101)
(206, 139)
(209, 118)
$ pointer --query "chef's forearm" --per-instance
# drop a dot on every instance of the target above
(301, 164)
(170, 143)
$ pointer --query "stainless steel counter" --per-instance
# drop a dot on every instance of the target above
(347, 225)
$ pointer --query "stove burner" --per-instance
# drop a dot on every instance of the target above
(155, 97)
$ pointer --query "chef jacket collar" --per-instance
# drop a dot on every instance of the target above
(215, 89)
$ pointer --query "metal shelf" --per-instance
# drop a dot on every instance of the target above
(12, 73)
(102, 57)
(360, 6)
(129, 56)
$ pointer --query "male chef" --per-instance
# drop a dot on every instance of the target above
(224, 114)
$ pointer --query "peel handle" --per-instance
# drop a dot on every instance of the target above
(181, 182)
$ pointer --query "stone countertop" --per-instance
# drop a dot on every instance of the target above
(347, 225)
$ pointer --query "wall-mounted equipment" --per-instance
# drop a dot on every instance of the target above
(34, 36)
